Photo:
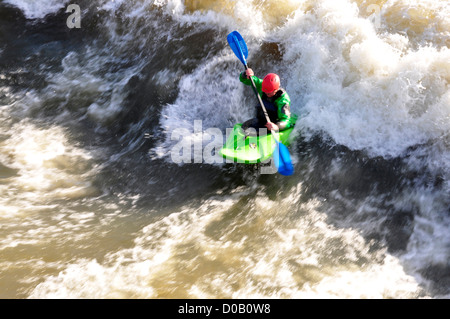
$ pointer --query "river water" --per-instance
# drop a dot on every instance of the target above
(95, 202)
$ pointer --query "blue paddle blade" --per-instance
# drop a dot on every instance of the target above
(238, 45)
(282, 159)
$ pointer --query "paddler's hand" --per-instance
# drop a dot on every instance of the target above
(271, 126)
(249, 73)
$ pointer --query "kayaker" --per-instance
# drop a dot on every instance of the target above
(276, 101)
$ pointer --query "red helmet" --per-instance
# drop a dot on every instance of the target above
(271, 82)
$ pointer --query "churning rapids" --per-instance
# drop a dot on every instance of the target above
(93, 204)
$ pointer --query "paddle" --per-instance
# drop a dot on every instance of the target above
(281, 157)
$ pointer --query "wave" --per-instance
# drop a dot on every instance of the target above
(87, 134)
(38, 10)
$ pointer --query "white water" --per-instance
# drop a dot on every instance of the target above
(283, 257)
(33, 9)
(381, 89)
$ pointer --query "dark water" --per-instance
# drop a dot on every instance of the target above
(94, 206)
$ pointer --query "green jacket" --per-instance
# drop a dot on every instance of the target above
(282, 102)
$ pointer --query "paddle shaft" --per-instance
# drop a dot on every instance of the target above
(243, 60)
(259, 97)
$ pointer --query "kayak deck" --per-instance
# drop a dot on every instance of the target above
(251, 149)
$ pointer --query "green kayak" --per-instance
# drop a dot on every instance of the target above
(251, 149)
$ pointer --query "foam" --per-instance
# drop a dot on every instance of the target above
(47, 166)
(209, 253)
(38, 9)
(365, 90)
